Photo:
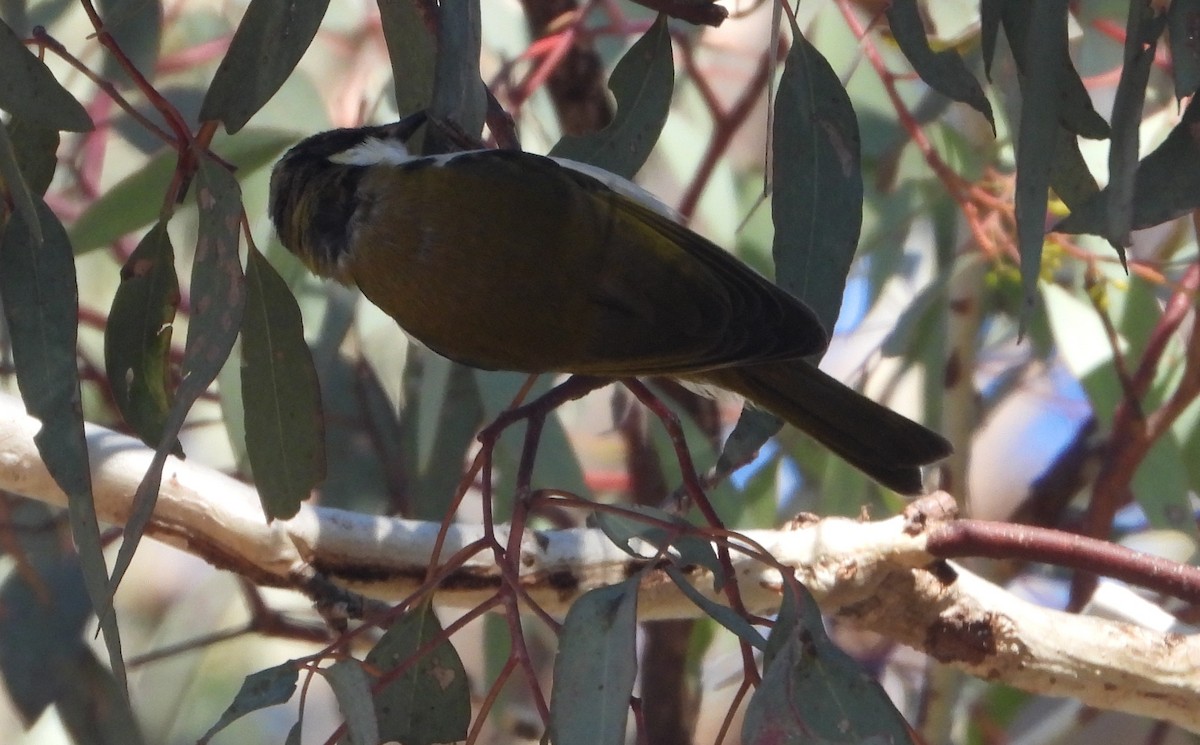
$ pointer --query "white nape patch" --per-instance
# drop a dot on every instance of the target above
(622, 186)
(374, 151)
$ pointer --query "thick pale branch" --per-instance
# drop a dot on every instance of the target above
(877, 574)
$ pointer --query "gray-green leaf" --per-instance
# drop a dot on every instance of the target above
(642, 83)
(266, 47)
(285, 431)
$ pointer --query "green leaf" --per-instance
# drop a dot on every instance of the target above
(285, 431)
(812, 691)
(943, 71)
(42, 625)
(1081, 341)
(28, 90)
(1047, 44)
(687, 550)
(818, 193)
(352, 688)
(1044, 53)
(1136, 312)
(754, 427)
(1186, 432)
(1167, 184)
(430, 702)
(136, 27)
(270, 40)
(36, 150)
(41, 305)
(642, 83)
(269, 687)
(1160, 486)
(595, 668)
(137, 339)
(1183, 21)
(132, 203)
(459, 95)
(1069, 176)
(443, 417)
(412, 50)
(218, 295)
(17, 188)
(622, 528)
(435, 380)
(989, 28)
(136, 201)
(1142, 30)
(722, 614)
(92, 703)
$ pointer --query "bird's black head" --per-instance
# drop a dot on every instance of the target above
(314, 189)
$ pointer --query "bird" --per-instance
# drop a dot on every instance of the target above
(509, 260)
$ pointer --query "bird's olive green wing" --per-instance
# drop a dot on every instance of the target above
(749, 319)
(508, 260)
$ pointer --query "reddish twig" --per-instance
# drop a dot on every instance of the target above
(995, 540)
(1133, 433)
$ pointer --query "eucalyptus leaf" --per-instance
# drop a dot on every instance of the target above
(722, 614)
(943, 71)
(412, 51)
(218, 294)
(1047, 45)
(459, 95)
(269, 687)
(35, 148)
(1041, 53)
(352, 688)
(136, 201)
(596, 667)
(754, 427)
(430, 702)
(269, 42)
(816, 206)
(136, 28)
(989, 29)
(812, 691)
(1144, 26)
(41, 306)
(642, 83)
(1070, 177)
(91, 704)
(443, 418)
(40, 630)
(1166, 185)
(14, 182)
(1183, 21)
(285, 432)
(137, 338)
(28, 90)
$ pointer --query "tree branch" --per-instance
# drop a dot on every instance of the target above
(879, 575)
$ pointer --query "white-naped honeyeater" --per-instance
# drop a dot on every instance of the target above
(507, 260)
